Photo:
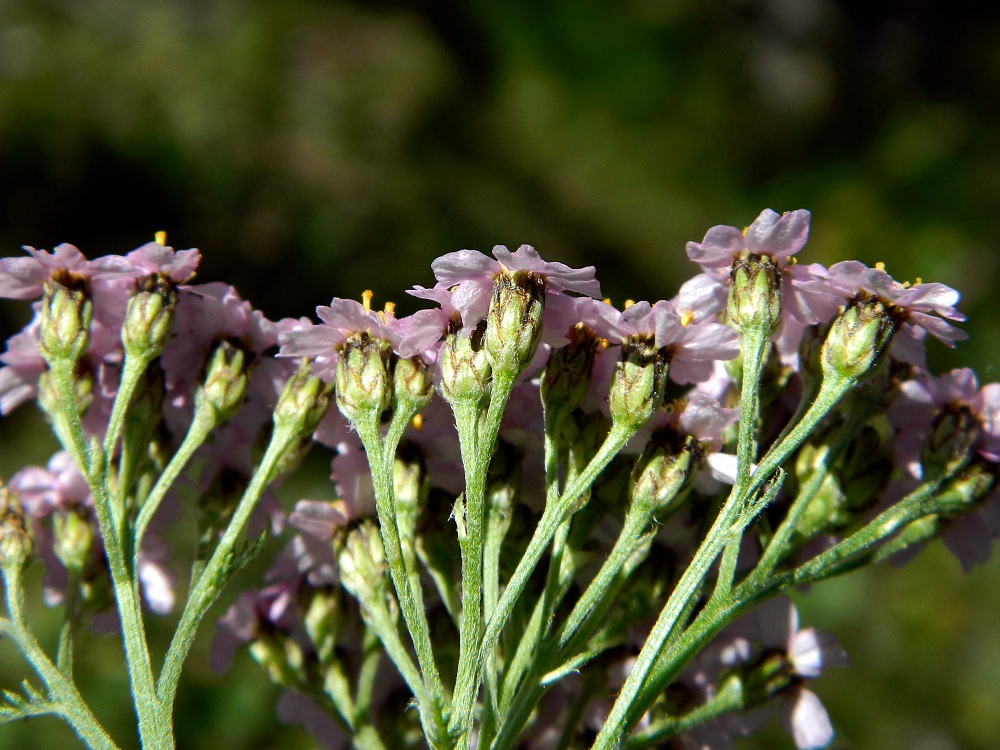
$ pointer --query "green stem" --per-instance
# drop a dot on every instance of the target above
(64, 651)
(208, 585)
(202, 424)
(155, 727)
(728, 698)
(476, 456)
(61, 689)
(777, 548)
(552, 517)
(414, 615)
(754, 343)
(132, 372)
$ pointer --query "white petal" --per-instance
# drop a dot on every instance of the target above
(804, 717)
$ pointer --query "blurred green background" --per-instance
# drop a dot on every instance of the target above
(314, 149)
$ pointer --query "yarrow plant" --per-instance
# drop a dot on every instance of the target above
(552, 522)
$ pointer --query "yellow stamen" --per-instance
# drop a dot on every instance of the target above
(880, 266)
(606, 300)
(628, 304)
(687, 317)
(918, 281)
(366, 299)
(390, 309)
(745, 230)
(160, 238)
(417, 421)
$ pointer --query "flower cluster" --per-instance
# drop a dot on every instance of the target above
(559, 498)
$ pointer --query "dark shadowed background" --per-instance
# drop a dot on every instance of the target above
(315, 149)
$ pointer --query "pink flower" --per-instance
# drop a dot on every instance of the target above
(343, 319)
(23, 365)
(915, 305)
(206, 315)
(779, 236)
(920, 400)
(806, 293)
(471, 274)
(693, 348)
(22, 278)
(61, 487)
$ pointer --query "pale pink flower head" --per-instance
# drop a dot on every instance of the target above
(805, 292)
(922, 399)
(779, 236)
(341, 320)
(471, 275)
(22, 366)
(206, 315)
(154, 259)
(921, 308)
(23, 278)
(693, 348)
(423, 332)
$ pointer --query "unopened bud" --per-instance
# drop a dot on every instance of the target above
(149, 317)
(514, 320)
(364, 377)
(66, 315)
(73, 539)
(465, 369)
(773, 675)
(303, 401)
(567, 375)
(226, 377)
(950, 443)
(361, 561)
(280, 657)
(637, 385)
(83, 390)
(664, 469)
(412, 383)
(16, 544)
(323, 618)
(963, 492)
(755, 293)
(860, 336)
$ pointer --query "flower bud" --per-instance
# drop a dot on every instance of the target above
(412, 384)
(514, 320)
(638, 382)
(226, 376)
(73, 539)
(410, 488)
(567, 375)
(364, 377)
(83, 390)
(323, 619)
(963, 492)
(67, 311)
(950, 444)
(664, 469)
(465, 369)
(771, 676)
(303, 401)
(280, 657)
(149, 317)
(860, 336)
(755, 293)
(361, 561)
(16, 544)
